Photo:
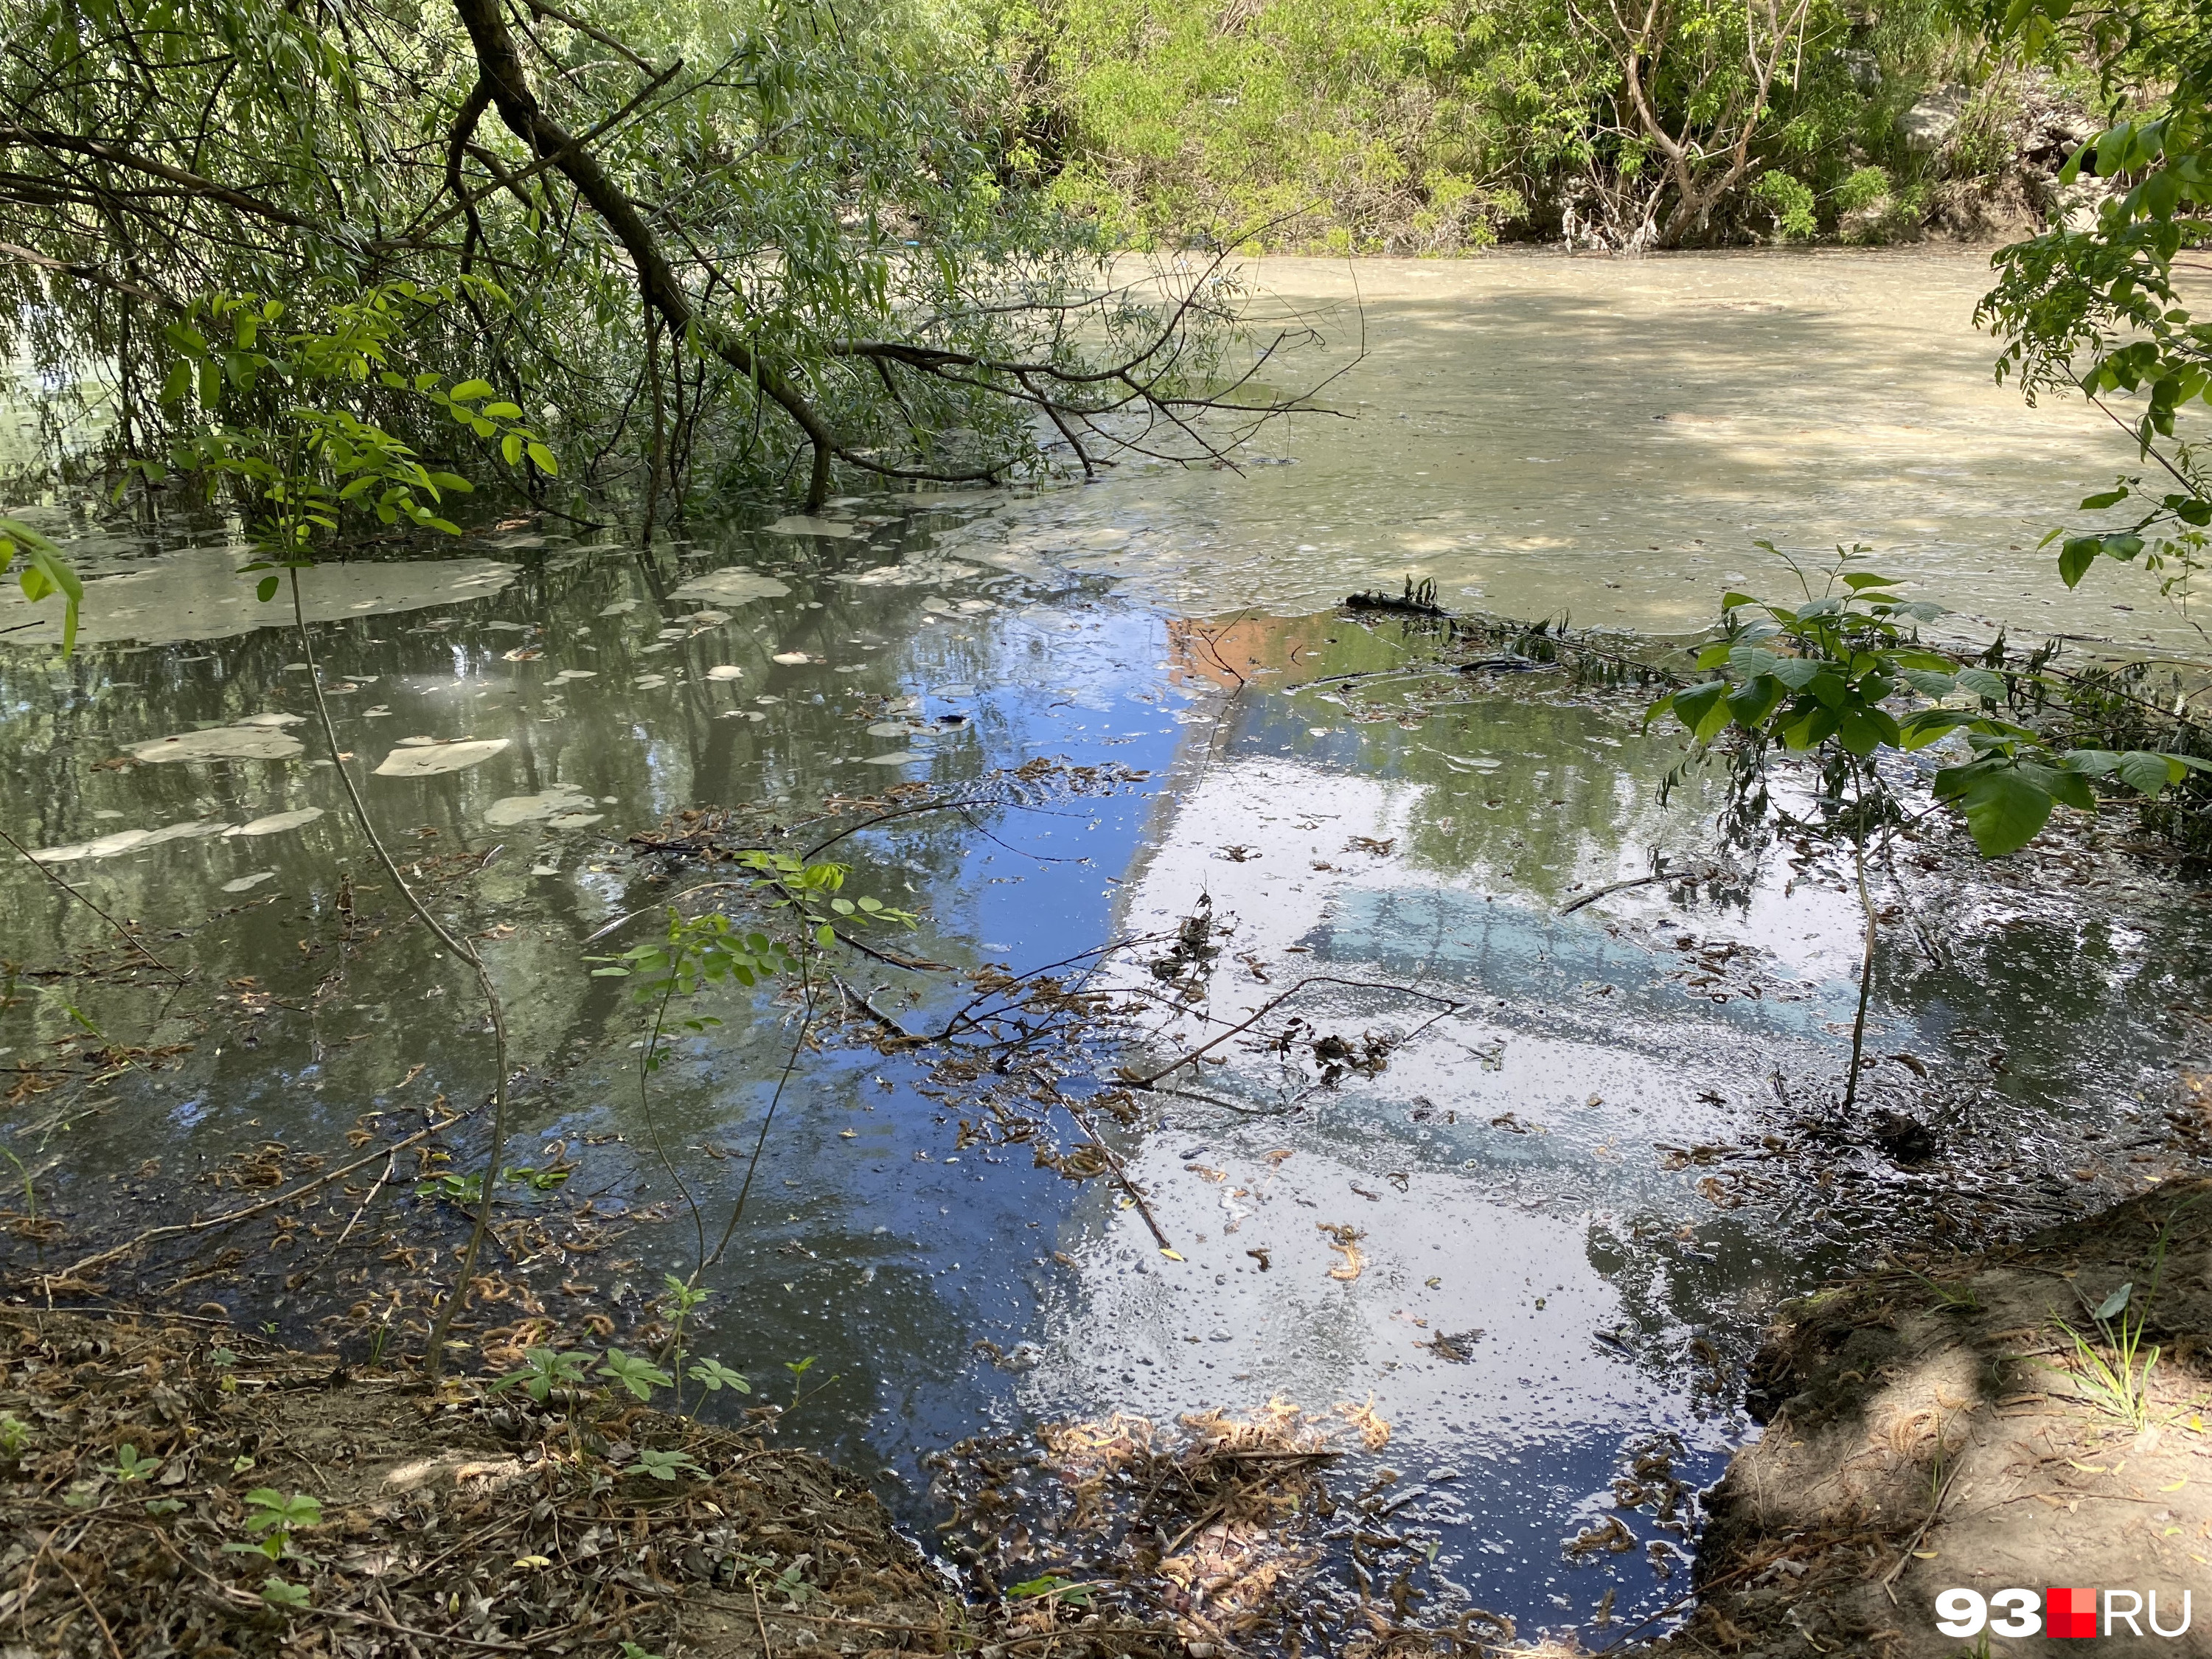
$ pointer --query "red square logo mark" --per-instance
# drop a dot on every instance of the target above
(2070, 1612)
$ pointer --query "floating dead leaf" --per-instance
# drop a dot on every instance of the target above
(1374, 1432)
(1345, 1237)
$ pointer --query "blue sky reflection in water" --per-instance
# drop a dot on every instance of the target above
(1567, 1218)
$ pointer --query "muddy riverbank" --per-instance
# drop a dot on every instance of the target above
(1972, 1425)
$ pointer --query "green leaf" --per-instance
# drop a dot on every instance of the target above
(510, 447)
(469, 391)
(265, 589)
(635, 1372)
(1930, 683)
(1864, 729)
(1748, 708)
(1990, 687)
(1811, 722)
(1748, 662)
(1693, 706)
(45, 572)
(542, 460)
(502, 411)
(1797, 672)
(2005, 811)
(2075, 558)
(713, 1376)
(2146, 774)
(2067, 788)
(2116, 1302)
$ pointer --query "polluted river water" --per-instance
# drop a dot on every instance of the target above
(1508, 1184)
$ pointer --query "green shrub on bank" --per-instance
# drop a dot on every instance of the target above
(1439, 126)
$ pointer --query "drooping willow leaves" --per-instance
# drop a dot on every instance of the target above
(723, 243)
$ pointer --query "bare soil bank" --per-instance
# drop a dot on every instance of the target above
(1947, 1430)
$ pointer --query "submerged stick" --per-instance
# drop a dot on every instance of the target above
(436, 1359)
(1121, 1176)
(85, 899)
(1573, 905)
(214, 1223)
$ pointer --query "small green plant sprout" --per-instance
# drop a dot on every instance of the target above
(15, 1436)
(463, 1190)
(30, 1187)
(631, 1650)
(467, 1190)
(272, 1518)
(635, 1372)
(164, 1505)
(45, 572)
(664, 1464)
(791, 1584)
(129, 1466)
(1958, 1299)
(2116, 1374)
(1054, 1588)
(713, 1377)
(278, 1593)
(682, 1297)
(542, 1371)
(222, 1359)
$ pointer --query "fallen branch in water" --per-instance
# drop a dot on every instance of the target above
(1573, 905)
(129, 938)
(1416, 601)
(1120, 1176)
(212, 1223)
(1451, 1005)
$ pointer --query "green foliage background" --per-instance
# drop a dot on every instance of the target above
(1435, 126)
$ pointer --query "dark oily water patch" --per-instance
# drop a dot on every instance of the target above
(1497, 1154)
